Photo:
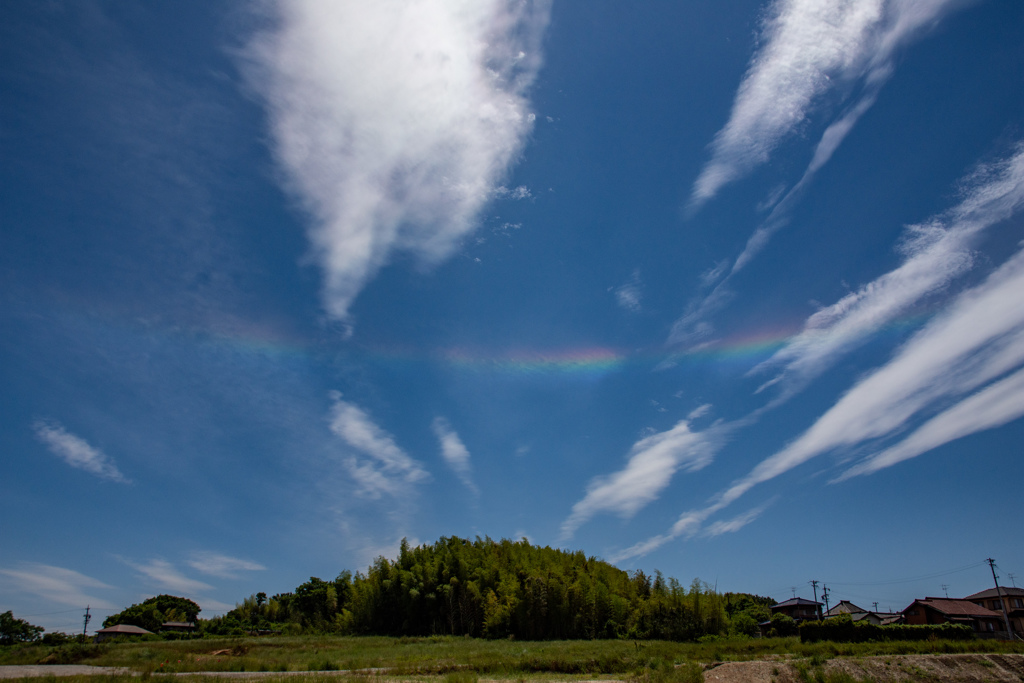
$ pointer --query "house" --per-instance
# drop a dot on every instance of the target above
(983, 621)
(798, 609)
(178, 626)
(844, 607)
(120, 630)
(860, 614)
(1012, 598)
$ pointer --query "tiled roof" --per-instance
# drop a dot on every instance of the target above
(845, 607)
(991, 593)
(793, 602)
(126, 629)
(959, 608)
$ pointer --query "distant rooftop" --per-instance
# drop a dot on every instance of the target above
(955, 607)
(991, 593)
(125, 629)
(845, 607)
(792, 602)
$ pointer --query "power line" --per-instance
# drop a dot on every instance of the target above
(46, 614)
(933, 575)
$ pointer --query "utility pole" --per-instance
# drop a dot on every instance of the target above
(814, 582)
(824, 596)
(999, 594)
(945, 588)
(85, 626)
(1012, 582)
(874, 606)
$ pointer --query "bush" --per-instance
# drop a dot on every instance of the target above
(783, 625)
(843, 629)
(57, 638)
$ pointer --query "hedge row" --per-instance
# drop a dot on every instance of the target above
(845, 630)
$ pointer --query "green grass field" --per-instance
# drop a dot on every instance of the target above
(463, 660)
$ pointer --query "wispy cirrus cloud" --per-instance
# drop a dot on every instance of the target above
(223, 566)
(991, 407)
(630, 294)
(455, 453)
(395, 121)
(57, 584)
(810, 48)
(936, 253)
(652, 463)
(729, 526)
(975, 341)
(386, 468)
(700, 411)
(77, 452)
(167, 577)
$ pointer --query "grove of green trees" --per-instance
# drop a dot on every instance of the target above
(499, 589)
(151, 613)
(13, 630)
(481, 588)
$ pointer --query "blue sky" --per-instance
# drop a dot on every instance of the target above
(730, 290)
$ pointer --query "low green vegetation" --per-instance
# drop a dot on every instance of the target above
(646, 662)
(843, 629)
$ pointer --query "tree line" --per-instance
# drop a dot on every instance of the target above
(480, 588)
(499, 589)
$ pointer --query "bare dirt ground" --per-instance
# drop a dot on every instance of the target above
(38, 670)
(973, 668)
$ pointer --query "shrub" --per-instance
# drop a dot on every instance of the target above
(783, 625)
(843, 629)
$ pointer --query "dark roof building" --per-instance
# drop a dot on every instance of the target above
(120, 630)
(860, 614)
(1012, 598)
(179, 626)
(799, 609)
(844, 607)
(982, 620)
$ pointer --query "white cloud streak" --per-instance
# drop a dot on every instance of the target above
(223, 566)
(699, 411)
(629, 295)
(809, 48)
(76, 452)
(167, 577)
(729, 526)
(59, 585)
(455, 453)
(991, 407)
(395, 120)
(936, 253)
(388, 469)
(652, 463)
(978, 339)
